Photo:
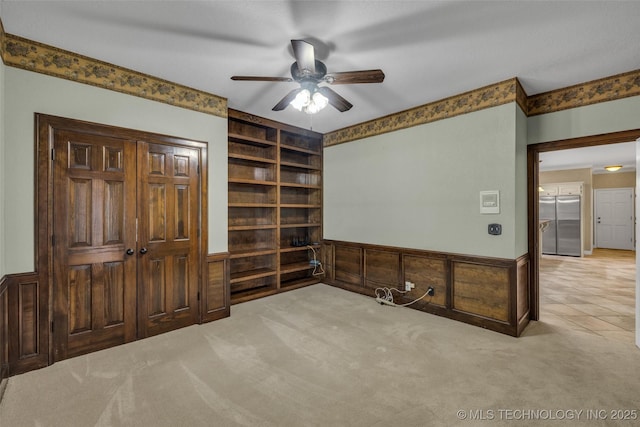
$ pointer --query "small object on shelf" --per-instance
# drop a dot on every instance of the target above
(298, 242)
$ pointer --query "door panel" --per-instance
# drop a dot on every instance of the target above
(168, 237)
(614, 218)
(94, 215)
(125, 248)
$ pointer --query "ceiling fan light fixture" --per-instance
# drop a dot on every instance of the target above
(613, 168)
(308, 103)
(302, 99)
(320, 100)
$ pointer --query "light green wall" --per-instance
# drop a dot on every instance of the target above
(27, 93)
(522, 235)
(602, 118)
(2, 178)
(419, 187)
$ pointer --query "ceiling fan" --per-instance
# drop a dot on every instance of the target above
(310, 72)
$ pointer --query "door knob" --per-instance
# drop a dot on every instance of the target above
(143, 251)
(130, 251)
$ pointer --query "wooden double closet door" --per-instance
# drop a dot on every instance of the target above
(126, 249)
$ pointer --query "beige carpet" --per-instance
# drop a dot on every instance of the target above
(321, 356)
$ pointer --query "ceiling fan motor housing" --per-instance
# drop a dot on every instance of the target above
(298, 75)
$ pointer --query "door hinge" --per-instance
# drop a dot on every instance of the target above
(198, 168)
(53, 154)
(198, 296)
(51, 327)
(53, 240)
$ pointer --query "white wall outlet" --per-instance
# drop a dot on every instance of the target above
(409, 285)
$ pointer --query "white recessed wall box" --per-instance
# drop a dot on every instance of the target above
(490, 202)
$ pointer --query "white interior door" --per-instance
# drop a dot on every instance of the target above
(614, 218)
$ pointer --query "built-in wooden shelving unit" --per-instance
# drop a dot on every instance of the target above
(275, 206)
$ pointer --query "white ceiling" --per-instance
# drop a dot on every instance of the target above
(429, 50)
(594, 158)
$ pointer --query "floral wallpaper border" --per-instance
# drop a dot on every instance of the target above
(33, 56)
(478, 99)
(606, 89)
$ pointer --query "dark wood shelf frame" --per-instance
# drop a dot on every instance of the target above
(275, 199)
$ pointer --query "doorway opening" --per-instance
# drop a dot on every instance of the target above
(547, 265)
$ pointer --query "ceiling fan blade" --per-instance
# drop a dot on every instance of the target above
(305, 56)
(284, 102)
(336, 101)
(348, 77)
(262, 79)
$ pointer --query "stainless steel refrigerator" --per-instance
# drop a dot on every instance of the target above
(562, 236)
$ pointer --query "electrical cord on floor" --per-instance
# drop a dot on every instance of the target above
(385, 296)
(317, 265)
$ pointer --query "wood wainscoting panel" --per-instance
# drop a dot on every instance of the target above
(481, 290)
(492, 293)
(215, 298)
(28, 318)
(4, 335)
(381, 268)
(328, 260)
(424, 272)
(522, 293)
(348, 264)
(28, 322)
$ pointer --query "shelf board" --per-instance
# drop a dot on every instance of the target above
(251, 158)
(249, 181)
(251, 252)
(251, 227)
(251, 274)
(300, 205)
(294, 185)
(299, 283)
(300, 166)
(250, 294)
(250, 139)
(299, 149)
(252, 205)
(299, 225)
(296, 266)
(298, 248)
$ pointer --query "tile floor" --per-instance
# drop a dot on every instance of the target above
(595, 294)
